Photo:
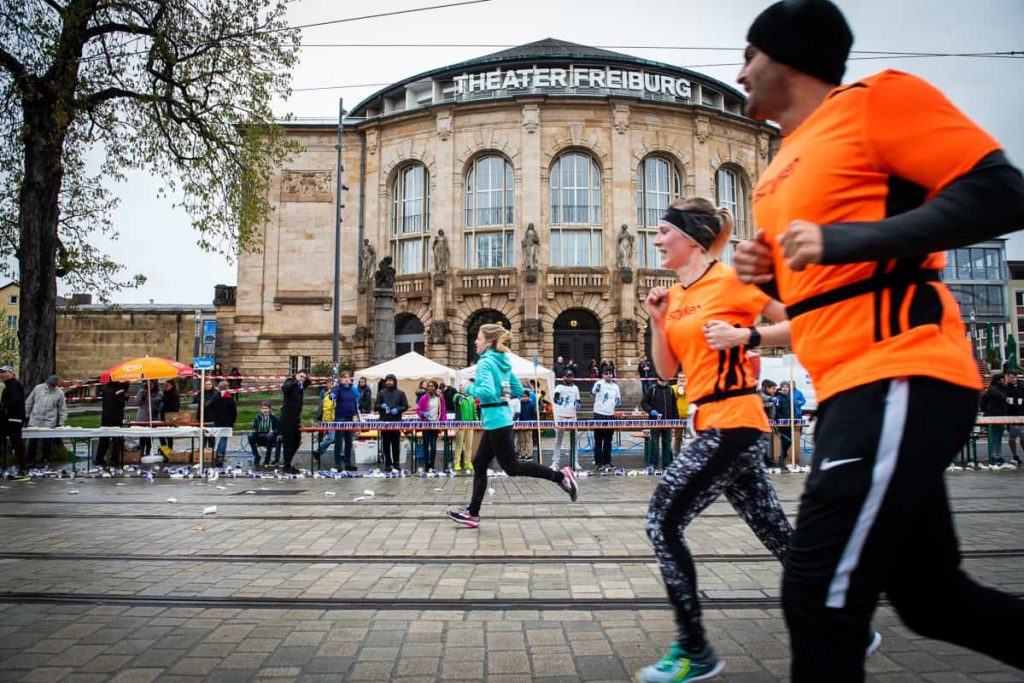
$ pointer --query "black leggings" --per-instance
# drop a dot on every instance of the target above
(730, 462)
(874, 518)
(498, 443)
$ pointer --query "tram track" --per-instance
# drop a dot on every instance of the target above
(705, 558)
(391, 604)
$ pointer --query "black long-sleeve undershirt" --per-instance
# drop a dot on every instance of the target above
(985, 202)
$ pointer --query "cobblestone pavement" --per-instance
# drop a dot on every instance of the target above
(106, 579)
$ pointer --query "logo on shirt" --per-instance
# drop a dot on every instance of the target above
(767, 187)
(683, 311)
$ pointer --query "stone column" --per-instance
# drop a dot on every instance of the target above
(623, 285)
(383, 325)
(531, 213)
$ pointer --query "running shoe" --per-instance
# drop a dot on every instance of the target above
(568, 483)
(876, 642)
(458, 467)
(678, 666)
(462, 516)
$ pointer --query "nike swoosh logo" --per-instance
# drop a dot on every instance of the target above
(827, 464)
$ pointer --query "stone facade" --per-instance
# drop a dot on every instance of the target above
(92, 338)
(284, 302)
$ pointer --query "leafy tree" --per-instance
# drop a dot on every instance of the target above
(179, 88)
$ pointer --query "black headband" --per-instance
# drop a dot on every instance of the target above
(700, 227)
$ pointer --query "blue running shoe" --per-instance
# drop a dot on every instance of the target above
(678, 666)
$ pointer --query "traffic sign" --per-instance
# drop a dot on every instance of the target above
(202, 363)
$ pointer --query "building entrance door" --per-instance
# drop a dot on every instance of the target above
(578, 336)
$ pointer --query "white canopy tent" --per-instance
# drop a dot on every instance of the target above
(521, 368)
(409, 368)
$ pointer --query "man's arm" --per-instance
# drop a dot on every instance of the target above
(985, 202)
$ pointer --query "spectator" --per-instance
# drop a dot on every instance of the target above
(218, 372)
(325, 413)
(208, 396)
(365, 396)
(646, 372)
(420, 390)
(235, 379)
(683, 411)
(566, 403)
(524, 437)
(293, 391)
(558, 368)
(570, 366)
(1015, 432)
(767, 394)
(113, 399)
(266, 431)
(606, 399)
(465, 411)
(431, 408)
(170, 402)
(148, 399)
(12, 405)
(391, 403)
(996, 403)
(448, 392)
(593, 371)
(660, 404)
(224, 412)
(346, 409)
(47, 407)
(784, 415)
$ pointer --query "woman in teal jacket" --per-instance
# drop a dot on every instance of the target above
(494, 385)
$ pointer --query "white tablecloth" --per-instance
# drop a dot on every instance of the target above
(94, 432)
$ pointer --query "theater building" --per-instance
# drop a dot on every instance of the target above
(523, 187)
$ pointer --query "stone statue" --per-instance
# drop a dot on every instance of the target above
(441, 252)
(625, 254)
(385, 275)
(531, 248)
(369, 257)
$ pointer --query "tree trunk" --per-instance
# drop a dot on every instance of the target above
(37, 248)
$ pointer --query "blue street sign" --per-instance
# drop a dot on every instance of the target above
(202, 363)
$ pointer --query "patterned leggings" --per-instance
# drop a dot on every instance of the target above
(729, 461)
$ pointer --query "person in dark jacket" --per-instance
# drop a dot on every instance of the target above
(266, 431)
(12, 405)
(291, 416)
(660, 404)
(365, 396)
(224, 412)
(448, 391)
(346, 409)
(391, 403)
(1015, 408)
(113, 399)
(784, 415)
(209, 395)
(169, 403)
(996, 403)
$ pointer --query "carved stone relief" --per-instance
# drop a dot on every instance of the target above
(307, 186)
(621, 114)
(531, 118)
(703, 128)
(444, 125)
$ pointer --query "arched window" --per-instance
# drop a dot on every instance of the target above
(473, 325)
(410, 219)
(657, 183)
(490, 202)
(576, 202)
(731, 193)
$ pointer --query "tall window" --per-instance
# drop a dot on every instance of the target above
(657, 182)
(12, 322)
(731, 194)
(576, 202)
(410, 219)
(490, 203)
(299, 363)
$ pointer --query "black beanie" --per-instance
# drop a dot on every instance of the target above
(811, 36)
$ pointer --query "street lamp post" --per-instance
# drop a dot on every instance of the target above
(338, 206)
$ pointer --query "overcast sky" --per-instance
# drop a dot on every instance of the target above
(989, 90)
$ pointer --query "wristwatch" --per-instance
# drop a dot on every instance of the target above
(755, 338)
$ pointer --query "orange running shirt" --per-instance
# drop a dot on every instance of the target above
(717, 295)
(853, 159)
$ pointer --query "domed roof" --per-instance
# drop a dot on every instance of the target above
(546, 52)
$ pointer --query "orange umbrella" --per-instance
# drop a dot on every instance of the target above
(147, 367)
